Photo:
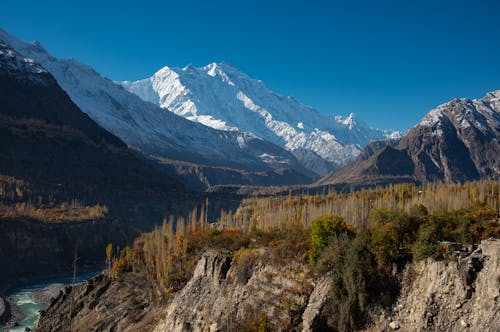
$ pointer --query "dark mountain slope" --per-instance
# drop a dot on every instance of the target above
(47, 140)
(157, 131)
(61, 155)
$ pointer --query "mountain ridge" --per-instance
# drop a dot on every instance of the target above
(221, 96)
(455, 142)
(150, 128)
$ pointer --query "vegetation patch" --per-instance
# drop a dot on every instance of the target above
(362, 257)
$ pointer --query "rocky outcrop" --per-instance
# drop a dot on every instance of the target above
(46, 294)
(311, 319)
(460, 294)
(2, 309)
(229, 293)
(226, 294)
(10, 314)
(126, 304)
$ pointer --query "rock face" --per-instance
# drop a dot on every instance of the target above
(457, 141)
(455, 295)
(311, 318)
(228, 294)
(101, 305)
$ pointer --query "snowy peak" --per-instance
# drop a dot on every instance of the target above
(351, 121)
(222, 71)
(464, 114)
(154, 130)
(220, 96)
(12, 61)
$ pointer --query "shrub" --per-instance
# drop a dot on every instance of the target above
(323, 229)
(291, 243)
(393, 232)
(475, 224)
(422, 248)
(352, 268)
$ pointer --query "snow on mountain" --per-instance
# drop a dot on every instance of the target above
(455, 142)
(220, 96)
(149, 127)
(21, 67)
(482, 114)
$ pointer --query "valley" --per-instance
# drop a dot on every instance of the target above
(198, 199)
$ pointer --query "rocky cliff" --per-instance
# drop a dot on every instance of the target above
(250, 290)
(459, 294)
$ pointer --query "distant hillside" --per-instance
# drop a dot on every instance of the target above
(46, 140)
(156, 131)
(456, 142)
(52, 154)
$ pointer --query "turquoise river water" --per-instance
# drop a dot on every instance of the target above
(23, 297)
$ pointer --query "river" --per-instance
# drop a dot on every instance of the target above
(23, 297)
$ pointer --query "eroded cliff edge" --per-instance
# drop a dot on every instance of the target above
(460, 293)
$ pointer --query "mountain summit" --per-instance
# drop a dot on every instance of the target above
(222, 97)
(455, 142)
(154, 130)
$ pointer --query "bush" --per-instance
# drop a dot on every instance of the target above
(292, 243)
(475, 224)
(393, 232)
(421, 249)
(352, 268)
(323, 229)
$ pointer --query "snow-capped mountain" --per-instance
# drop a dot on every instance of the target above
(22, 68)
(458, 140)
(147, 126)
(220, 96)
(46, 139)
(455, 142)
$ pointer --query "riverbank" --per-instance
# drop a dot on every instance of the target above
(23, 303)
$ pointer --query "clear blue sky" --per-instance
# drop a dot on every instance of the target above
(388, 61)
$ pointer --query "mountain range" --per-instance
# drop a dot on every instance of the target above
(152, 129)
(222, 97)
(455, 142)
(214, 125)
(214, 116)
